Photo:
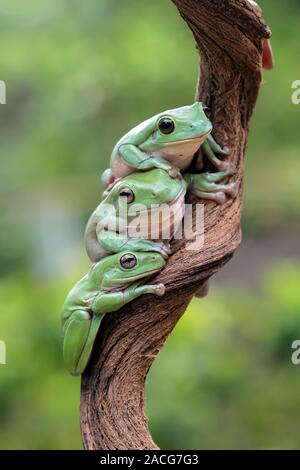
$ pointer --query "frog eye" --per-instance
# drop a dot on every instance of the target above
(166, 126)
(127, 195)
(128, 261)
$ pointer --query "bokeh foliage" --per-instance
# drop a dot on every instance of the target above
(79, 75)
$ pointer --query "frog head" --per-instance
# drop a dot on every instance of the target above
(180, 130)
(151, 201)
(153, 187)
(122, 269)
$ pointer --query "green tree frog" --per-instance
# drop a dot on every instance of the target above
(136, 197)
(168, 141)
(109, 285)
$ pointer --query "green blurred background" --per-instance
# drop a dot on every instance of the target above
(79, 75)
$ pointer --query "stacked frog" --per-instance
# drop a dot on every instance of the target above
(148, 169)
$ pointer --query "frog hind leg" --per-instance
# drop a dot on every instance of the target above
(205, 186)
(79, 335)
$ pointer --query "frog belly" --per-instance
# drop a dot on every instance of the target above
(120, 168)
(180, 153)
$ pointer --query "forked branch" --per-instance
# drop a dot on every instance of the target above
(228, 35)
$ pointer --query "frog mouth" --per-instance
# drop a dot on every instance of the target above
(200, 138)
(119, 284)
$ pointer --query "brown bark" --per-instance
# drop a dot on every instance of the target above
(228, 34)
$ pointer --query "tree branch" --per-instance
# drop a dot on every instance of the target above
(228, 35)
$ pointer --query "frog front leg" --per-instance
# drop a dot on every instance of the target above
(206, 186)
(210, 148)
(112, 301)
(79, 334)
(113, 242)
(136, 158)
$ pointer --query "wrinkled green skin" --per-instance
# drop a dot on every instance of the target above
(151, 188)
(105, 288)
(146, 147)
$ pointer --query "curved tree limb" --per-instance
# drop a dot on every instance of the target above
(228, 34)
